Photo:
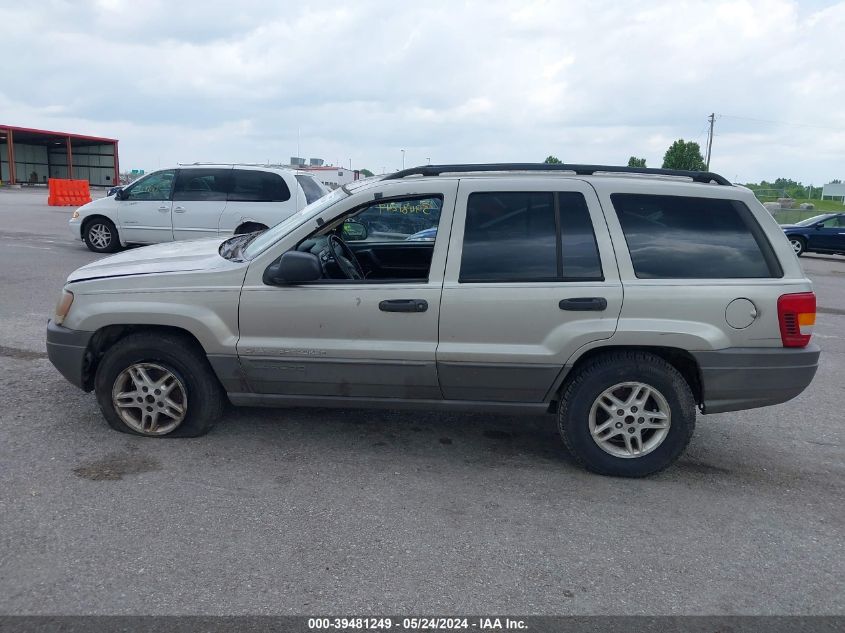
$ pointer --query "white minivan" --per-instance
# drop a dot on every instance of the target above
(194, 201)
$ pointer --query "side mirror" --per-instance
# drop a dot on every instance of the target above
(294, 267)
(354, 231)
(121, 194)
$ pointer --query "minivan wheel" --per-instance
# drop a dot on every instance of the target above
(100, 236)
(250, 227)
(797, 245)
(158, 385)
(626, 414)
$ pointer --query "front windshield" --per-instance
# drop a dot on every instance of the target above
(275, 233)
(814, 219)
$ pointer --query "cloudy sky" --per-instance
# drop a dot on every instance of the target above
(494, 80)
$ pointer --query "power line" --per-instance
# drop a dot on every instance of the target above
(748, 118)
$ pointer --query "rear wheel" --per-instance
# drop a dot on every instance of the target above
(626, 414)
(798, 245)
(250, 227)
(100, 235)
(158, 385)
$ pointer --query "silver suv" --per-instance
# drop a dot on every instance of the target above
(618, 299)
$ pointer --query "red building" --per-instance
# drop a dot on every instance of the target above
(33, 156)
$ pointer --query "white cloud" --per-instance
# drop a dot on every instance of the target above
(472, 81)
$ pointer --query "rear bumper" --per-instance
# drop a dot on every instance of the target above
(746, 377)
(67, 349)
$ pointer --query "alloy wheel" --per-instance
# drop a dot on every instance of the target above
(150, 399)
(100, 235)
(630, 419)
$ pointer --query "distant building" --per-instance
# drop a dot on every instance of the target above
(330, 175)
(32, 156)
(834, 190)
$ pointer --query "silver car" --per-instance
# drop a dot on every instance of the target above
(621, 300)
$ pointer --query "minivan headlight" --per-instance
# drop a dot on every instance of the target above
(63, 307)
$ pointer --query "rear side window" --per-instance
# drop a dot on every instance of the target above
(528, 236)
(313, 191)
(679, 237)
(201, 184)
(249, 185)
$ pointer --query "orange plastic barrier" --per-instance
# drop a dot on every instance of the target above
(68, 193)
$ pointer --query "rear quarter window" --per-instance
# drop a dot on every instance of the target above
(313, 191)
(680, 237)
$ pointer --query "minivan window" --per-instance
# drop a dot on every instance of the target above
(272, 235)
(156, 186)
(528, 236)
(201, 184)
(680, 237)
(312, 190)
(258, 186)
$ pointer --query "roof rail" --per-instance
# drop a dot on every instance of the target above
(581, 170)
(234, 164)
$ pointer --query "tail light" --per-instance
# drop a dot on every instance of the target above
(796, 316)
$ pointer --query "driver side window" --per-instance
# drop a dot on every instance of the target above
(157, 186)
(834, 222)
(409, 220)
(387, 240)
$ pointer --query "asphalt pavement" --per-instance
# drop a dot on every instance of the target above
(308, 511)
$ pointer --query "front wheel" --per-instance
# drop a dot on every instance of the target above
(626, 414)
(798, 245)
(158, 385)
(100, 236)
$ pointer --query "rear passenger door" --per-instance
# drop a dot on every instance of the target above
(530, 278)
(198, 202)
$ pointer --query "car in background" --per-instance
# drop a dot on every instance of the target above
(426, 235)
(194, 201)
(820, 234)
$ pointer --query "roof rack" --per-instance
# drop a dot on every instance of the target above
(580, 170)
(196, 163)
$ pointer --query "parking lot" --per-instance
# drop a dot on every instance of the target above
(325, 511)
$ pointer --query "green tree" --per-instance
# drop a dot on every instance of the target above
(552, 160)
(636, 162)
(684, 155)
(366, 172)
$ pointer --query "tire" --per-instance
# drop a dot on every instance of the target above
(798, 245)
(580, 415)
(194, 388)
(100, 235)
(250, 227)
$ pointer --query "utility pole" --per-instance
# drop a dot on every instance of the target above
(712, 119)
(403, 159)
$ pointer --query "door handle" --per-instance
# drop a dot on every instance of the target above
(179, 210)
(586, 304)
(403, 305)
(164, 209)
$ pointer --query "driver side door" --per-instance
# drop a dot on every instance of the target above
(829, 235)
(144, 216)
(336, 340)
